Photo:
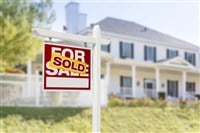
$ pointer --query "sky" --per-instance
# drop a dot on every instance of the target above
(176, 18)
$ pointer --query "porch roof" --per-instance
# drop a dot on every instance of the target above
(177, 63)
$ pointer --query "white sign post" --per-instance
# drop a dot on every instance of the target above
(96, 67)
(96, 109)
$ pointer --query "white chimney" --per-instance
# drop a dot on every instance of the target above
(75, 21)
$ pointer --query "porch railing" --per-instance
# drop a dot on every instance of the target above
(150, 93)
(126, 92)
(24, 90)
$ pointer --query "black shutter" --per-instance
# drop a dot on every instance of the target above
(145, 53)
(194, 59)
(194, 86)
(185, 55)
(177, 54)
(132, 50)
(186, 86)
(167, 87)
(176, 88)
(167, 53)
(120, 49)
(109, 47)
(121, 81)
(154, 54)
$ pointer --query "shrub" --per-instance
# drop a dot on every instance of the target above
(115, 101)
(14, 70)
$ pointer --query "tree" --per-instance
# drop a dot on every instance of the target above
(17, 18)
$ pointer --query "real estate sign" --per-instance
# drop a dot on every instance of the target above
(66, 67)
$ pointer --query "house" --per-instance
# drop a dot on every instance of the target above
(141, 62)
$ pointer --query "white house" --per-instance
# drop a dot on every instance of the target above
(143, 62)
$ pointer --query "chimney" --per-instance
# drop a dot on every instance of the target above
(75, 21)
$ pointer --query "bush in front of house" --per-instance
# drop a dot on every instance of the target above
(14, 70)
(115, 101)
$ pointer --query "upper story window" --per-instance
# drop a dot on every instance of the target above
(150, 53)
(105, 48)
(171, 53)
(190, 57)
(126, 50)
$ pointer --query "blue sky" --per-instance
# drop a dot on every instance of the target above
(179, 19)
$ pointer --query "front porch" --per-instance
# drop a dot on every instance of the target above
(174, 79)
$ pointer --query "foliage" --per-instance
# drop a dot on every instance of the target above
(115, 101)
(14, 70)
(17, 17)
(113, 119)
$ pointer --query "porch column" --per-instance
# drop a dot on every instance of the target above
(184, 85)
(198, 84)
(29, 75)
(134, 81)
(107, 83)
(157, 81)
(107, 74)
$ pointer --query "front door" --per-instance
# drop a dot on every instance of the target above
(149, 88)
(172, 88)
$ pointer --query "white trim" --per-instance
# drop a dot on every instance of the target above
(168, 62)
(184, 79)
(130, 62)
(67, 36)
(133, 72)
(157, 81)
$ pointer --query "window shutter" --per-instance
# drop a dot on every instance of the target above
(167, 53)
(167, 87)
(185, 55)
(194, 86)
(121, 81)
(194, 59)
(120, 49)
(132, 50)
(145, 52)
(176, 88)
(154, 54)
(109, 47)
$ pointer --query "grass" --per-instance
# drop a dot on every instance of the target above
(114, 119)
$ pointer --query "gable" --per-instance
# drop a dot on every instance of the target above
(178, 62)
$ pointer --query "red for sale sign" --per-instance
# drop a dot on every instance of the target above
(66, 67)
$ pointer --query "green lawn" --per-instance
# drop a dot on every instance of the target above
(114, 119)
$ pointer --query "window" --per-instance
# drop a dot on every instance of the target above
(190, 87)
(190, 57)
(126, 50)
(105, 48)
(150, 53)
(171, 53)
(172, 88)
(126, 82)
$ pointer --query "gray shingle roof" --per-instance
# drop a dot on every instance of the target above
(132, 29)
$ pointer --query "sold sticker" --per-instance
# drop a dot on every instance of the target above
(66, 67)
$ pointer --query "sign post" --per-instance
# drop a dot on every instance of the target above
(96, 40)
(96, 108)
